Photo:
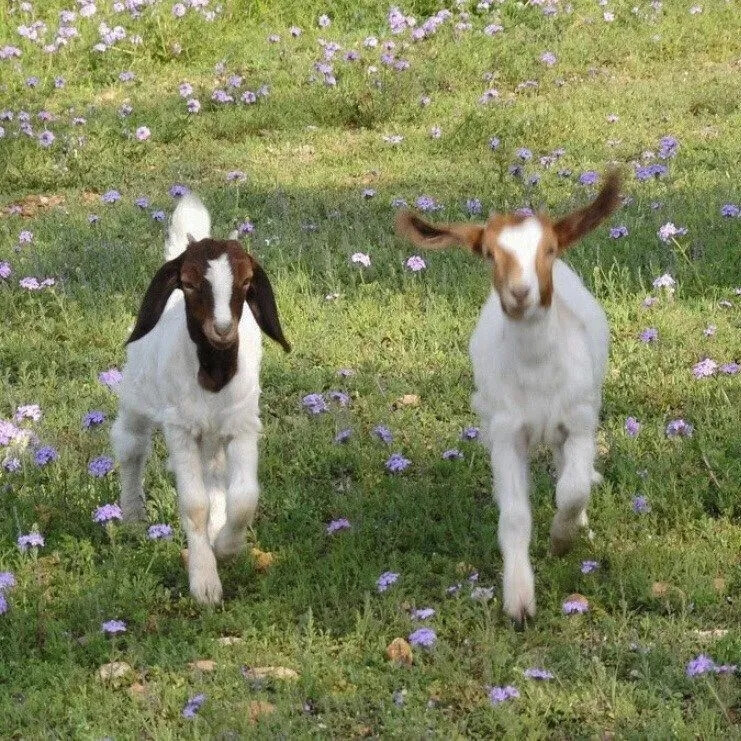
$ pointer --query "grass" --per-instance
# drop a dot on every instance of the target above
(309, 151)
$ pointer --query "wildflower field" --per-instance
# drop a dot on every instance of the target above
(367, 603)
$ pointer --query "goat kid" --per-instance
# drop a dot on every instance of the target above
(193, 363)
(539, 354)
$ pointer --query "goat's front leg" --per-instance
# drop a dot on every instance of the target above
(572, 489)
(185, 459)
(130, 436)
(509, 461)
(241, 495)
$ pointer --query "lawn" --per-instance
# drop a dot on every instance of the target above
(306, 135)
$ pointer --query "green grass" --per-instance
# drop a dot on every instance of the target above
(309, 151)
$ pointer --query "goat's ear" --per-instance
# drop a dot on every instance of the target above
(165, 281)
(261, 300)
(577, 224)
(434, 236)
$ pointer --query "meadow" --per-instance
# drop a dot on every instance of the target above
(305, 125)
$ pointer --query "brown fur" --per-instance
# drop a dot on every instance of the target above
(217, 353)
(483, 238)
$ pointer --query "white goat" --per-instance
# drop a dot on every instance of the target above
(193, 364)
(539, 354)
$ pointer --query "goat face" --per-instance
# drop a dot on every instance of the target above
(217, 278)
(521, 249)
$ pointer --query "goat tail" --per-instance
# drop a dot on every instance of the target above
(190, 222)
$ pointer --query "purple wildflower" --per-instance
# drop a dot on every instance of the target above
(700, 665)
(669, 231)
(383, 433)
(452, 455)
(386, 580)
(93, 219)
(632, 427)
(415, 263)
(589, 177)
(32, 540)
(436, 132)
(45, 455)
(7, 580)
(470, 433)
(548, 58)
(158, 215)
(113, 627)
(703, 369)
(730, 211)
(679, 428)
(537, 673)
(640, 505)
(185, 89)
(3, 604)
(111, 377)
(11, 465)
(324, 21)
(575, 606)
(295, 31)
(315, 403)
(179, 10)
(368, 193)
(159, 531)
(143, 133)
(100, 466)
(46, 138)
(494, 143)
(498, 695)
(110, 196)
(423, 637)
(668, 147)
(650, 334)
(524, 154)
(655, 170)
(235, 175)
(426, 203)
(616, 232)
(193, 105)
(343, 436)
(28, 411)
(142, 202)
(107, 513)
(193, 705)
(587, 567)
(397, 463)
(665, 281)
(730, 369)
(425, 613)
(5, 270)
(340, 397)
(336, 525)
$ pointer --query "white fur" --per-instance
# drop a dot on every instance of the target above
(211, 437)
(219, 275)
(522, 242)
(539, 379)
(190, 222)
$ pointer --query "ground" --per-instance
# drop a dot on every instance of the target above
(314, 165)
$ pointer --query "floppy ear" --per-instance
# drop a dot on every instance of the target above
(165, 281)
(433, 236)
(577, 224)
(261, 300)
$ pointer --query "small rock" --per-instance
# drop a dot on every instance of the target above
(229, 640)
(269, 672)
(204, 665)
(114, 672)
(400, 652)
(259, 709)
(660, 589)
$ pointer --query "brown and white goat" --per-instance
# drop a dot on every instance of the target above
(539, 354)
(193, 365)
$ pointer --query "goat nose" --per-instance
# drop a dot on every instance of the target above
(520, 293)
(223, 328)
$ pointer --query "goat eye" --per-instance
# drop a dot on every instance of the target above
(188, 286)
(551, 251)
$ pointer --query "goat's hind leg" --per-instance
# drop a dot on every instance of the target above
(185, 457)
(241, 495)
(572, 491)
(130, 435)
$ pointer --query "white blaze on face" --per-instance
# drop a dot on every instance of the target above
(219, 275)
(522, 242)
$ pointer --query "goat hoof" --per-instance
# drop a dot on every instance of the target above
(597, 478)
(519, 597)
(227, 547)
(206, 588)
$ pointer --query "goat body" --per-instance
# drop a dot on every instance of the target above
(540, 381)
(212, 435)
